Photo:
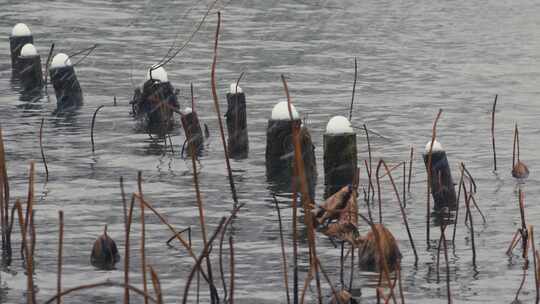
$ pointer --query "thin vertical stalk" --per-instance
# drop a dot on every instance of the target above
(469, 216)
(370, 171)
(200, 205)
(428, 193)
(403, 214)
(353, 88)
(175, 233)
(283, 254)
(524, 232)
(218, 112)
(92, 128)
(461, 184)
(352, 268)
(535, 263)
(126, 258)
(231, 248)
(143, 240)
(42, 151)
(60, 246)
(4, 202)
(47, 62)
(379, 192)
(28, 260)
(299, 169)
(334, 291)
(370, 186)
(404, 183)
(448, 293)
(157, 285)
(493, 133)
(410, 169)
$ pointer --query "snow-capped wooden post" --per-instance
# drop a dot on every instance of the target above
(442, 185)
(237, 141)
(20, 35)
(340, 155)
(66, 86)
(280, 150)
(29, 68)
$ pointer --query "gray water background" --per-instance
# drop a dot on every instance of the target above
(414, 57)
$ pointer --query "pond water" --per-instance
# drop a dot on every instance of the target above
(414, 57)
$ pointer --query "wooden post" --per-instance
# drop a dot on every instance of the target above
(192, 126)
(28, 69)
(20, 35)
(442, 185)
(280, 151)
(237, 141)
(66, 86)
(340, 155)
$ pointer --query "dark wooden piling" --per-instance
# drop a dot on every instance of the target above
(192, 126)
(340, 159)
(67, 89)
(237, 140)
(17, 40)
(29, 71)
(442, 184)
(280, 155)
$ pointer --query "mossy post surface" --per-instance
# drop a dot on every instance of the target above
(15, 45)
(237, 142)
(442, 184)
(154, 105)
(340, 159)
(280, 156)
(192, 127)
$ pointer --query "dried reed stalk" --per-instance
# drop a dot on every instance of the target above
(428, 192)
(231, 248)
(283, 253)
(306, 200)
(60, 246)
(535, 263)
(493, 133)
(403, 214)
(157, 285)
(353, 88)
(126, 258)
(143, 239)
(171, 228)
(200, 205)
(410, 169)
(31, 297)
(101, 284)
(92, 128)
(218, 112)
(42, 151)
